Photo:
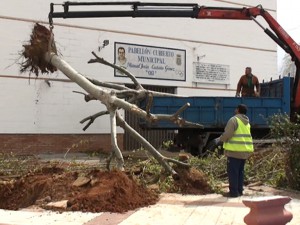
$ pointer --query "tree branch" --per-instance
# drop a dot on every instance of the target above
(108, 85)
(114, 143)
(160, 158)
(92, 118)
(122, 70)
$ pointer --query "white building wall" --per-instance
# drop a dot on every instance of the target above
(35, 107)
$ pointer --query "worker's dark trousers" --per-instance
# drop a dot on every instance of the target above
(235, 171)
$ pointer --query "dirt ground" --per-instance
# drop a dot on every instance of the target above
(99, 190)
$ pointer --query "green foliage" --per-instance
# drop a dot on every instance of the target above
(166, 184)
(284, 130)
(167, 144)
(293, 167)
(288, 134)
(16, 165)
(214, 166)
(152, 173)
(266, 166)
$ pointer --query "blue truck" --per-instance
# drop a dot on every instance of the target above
(214, 112)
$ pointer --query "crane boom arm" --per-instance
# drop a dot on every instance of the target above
(140, 9)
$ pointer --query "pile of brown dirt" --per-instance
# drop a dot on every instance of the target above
(192, 181)
(105, 191)
(112, 191)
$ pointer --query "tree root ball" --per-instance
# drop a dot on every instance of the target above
(34, 52)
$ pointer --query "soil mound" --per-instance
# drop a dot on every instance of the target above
(112, 191)
(192, 181)
(90, 190)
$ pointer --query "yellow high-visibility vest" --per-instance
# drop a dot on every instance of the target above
(241, 140)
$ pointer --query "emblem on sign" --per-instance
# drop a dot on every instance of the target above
(178, 59)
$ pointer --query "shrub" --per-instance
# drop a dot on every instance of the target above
(287, 134)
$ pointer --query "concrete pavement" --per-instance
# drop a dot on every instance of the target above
(172, 209)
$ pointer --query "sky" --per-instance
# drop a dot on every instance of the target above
(288, 16)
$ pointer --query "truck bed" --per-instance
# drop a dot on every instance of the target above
(214, 112)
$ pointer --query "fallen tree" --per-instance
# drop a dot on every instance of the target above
(40, 56)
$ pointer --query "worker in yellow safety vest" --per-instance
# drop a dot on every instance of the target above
(238, 146)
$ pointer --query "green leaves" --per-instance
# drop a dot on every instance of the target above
(287, 132)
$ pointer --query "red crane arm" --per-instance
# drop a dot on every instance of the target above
(289, 45)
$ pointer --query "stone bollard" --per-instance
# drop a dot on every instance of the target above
(268, 210)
